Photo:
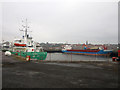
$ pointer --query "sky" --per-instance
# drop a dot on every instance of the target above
(62, 21)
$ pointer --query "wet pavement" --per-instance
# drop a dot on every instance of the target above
(17, 73)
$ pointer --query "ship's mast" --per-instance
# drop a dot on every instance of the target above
(25, 30)
(25, 36)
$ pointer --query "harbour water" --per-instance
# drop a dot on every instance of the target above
(73, 57)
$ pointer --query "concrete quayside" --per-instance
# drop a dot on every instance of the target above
(18, 73)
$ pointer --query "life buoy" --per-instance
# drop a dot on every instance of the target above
(17, 44)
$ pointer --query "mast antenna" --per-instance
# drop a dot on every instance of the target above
(25, 27)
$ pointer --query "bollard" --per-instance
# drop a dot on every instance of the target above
(28, 58)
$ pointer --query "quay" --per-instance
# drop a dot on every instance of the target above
(17, 73)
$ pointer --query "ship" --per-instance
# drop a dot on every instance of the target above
(98, 51)
(25, 46)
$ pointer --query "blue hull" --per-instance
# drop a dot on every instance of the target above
(101, 52)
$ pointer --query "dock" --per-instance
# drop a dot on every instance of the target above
(17, 73)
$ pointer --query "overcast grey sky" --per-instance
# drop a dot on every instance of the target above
(62, 21)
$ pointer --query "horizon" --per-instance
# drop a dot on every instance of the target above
(67, 43)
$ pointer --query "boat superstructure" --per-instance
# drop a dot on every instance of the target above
(27, 47)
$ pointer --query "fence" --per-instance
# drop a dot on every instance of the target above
(72, 57)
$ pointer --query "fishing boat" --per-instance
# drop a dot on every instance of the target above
(25, 46)
(99, 51)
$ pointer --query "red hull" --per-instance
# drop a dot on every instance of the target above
(84, 50)
(17, 44)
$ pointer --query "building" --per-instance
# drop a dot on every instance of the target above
(6, 45)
